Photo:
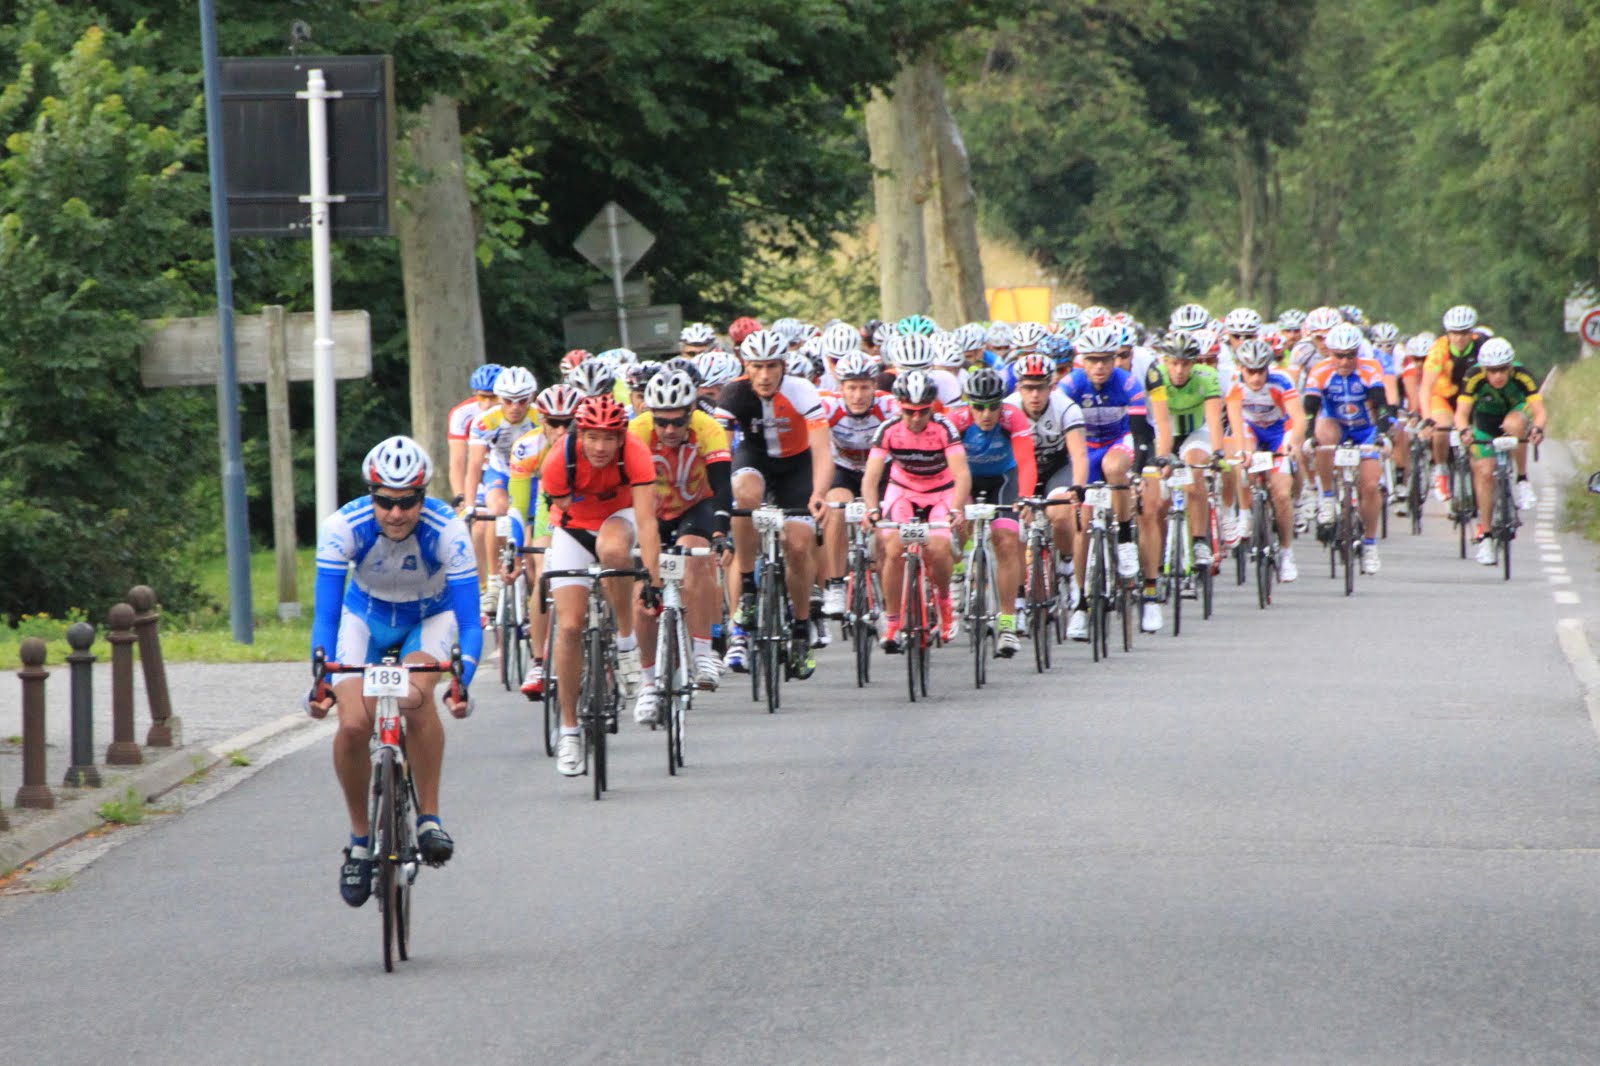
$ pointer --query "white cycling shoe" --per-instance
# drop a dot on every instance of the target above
(1369, 559)
(1078, 625)
(1287, 571)
(1486, 552)
(1526, 498)
(644, 710)
(569, 756)
(833, 600)
(1128, 560)
(630, 675)
(1150, 617)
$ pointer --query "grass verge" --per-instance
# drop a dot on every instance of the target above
(1575, 418)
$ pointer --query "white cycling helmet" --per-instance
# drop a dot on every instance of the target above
(619, 357)
(855, 366)
(883, 333)
(798, 364)
(998, 335)
(1496, 351)
(515, 383)
(559, 401)
(1242, 320)
(697, 334)
(1418, 346)
(948, 350)
(1067, 312)
(1100, 340)
(969, 336)
(1385, 333)
(1460, 318)
(397, 463)
(594, 377)
(671, 388)
(840, 340)
(1322, 319)
(911, 351)
(1255, 355)
(1344, 337)
(1293, 318)
(790, 329)
(1188, 318)
(1026, 337)
(764, 346)
(717, 367)
(1095, 315)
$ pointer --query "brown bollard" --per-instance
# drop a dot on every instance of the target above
(34, 792)
(83, 773)
(143, 599)
(122, 750)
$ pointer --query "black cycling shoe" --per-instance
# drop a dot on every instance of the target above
(435, 844)
(355, 879)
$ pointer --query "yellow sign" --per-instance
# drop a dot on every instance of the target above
(1019, 305)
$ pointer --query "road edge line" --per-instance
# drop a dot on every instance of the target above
(1574, 642)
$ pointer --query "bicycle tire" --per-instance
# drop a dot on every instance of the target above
(1346, 540)
(1207, 576)
(1125, 605)
(775, 638)
(594, 708)
(754, 647)
(552, 698)
(1416, 495)
(1091, 592)
(980, 620)
(860, 634)
(1174, 571)
(666, 683)
(385, 842)
(1240, 562)
(910, 631)
(1383, 515)
(1506, 520)
(409, 855)
(1263, 553)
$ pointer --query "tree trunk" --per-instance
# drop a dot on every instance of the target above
(1250, 180)
(444, 323)
(950, 216)
(899, 186)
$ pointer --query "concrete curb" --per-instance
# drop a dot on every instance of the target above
(1580, 656)
(79, 814)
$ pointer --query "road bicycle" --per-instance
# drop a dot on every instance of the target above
(1264, 523)
(675, 681)
(919, 612)
(392, 795)
(981, 600)
(1504, 519)
(769, 642)
(1344, 547)
(863, 594)
(1104, 590)
(1463, 499)
(1042, 586)
(599, 698)
(1182, 578)
(1419, 462)
(511, 608)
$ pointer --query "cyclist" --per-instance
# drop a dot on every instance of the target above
(1105, 393)
(557, 406)
(783, 456)
(740, 328)
(459, 425)
(570, 361)
(998, 439)
(1291, 325)
(1499, 398)
(854, 417)
(604, 482)
(1265, 415)
(412, 587)
(1447, 364)
(1355, 411)
(489, 459)
(693, 494)
(1185, 403)
(928, 480)
(695, 338)
(1060, 456)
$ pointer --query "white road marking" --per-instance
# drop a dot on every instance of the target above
(1559, 579)
(1566, 596)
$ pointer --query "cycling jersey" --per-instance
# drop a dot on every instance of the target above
(491, 430)
(1304, 357)
(396, 584)
(998, 451)
(682, 475)
(459, 422)
(777, 428)
(1050, 429)
(1268, 405)
(1186, 403)
(1491, 405)
(1105, 409)
(1345, 396)
(1451, 366)
(948, 385)
(598, 494)
(851, 435)
(919, 462)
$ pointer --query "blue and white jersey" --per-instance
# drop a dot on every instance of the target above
(396, 582)
(1385, 360)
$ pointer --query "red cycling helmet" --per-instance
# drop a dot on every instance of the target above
(572, 359)
(1036, 365)
(602, 413)
(740, 328)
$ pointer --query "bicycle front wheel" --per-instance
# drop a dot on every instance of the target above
(774, 636)
(860, 631)
(667, 683)
(1347, 551)
(595, 707)
(910, 620)
(552, 698)
(386, 853)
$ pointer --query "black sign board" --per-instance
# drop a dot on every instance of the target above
(265, 140)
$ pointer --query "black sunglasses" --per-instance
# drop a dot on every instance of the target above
(672, 423)
(558, 423)
(389, 503)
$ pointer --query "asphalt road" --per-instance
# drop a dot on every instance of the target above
(1341, 830)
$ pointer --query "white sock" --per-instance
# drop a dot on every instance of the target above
(649, 674)
(571, 731)
(702, 646)
(627, 643)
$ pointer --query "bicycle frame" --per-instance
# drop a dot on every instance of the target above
(674, 683)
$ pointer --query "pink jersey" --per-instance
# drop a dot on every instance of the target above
(919, 462)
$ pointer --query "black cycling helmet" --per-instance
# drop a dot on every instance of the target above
(984, 385)
(915, 389)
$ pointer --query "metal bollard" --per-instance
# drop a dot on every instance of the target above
(34, 792)
(83, 773)
(143, 599)
(122, 751)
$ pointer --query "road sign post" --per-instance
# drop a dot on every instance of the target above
(615, 241)
(1589, 331)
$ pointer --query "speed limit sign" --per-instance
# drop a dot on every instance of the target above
(1589, 328)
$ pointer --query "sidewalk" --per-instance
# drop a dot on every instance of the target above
(221, 707)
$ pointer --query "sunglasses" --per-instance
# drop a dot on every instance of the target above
(924, 409)
(1097, 358)
(558, 423)
(672, 423)
(389, 503)
(1032, 385)
(994, 406)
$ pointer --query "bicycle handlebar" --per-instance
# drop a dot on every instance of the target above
(788, 512)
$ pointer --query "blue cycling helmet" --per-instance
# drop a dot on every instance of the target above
(484, 377)
(1058, 348)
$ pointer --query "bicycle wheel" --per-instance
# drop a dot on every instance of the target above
(910, 622)
(1240, 562)
(1207, 578)
(1174, 575)
(1091, 592)
(552, 699)
(860, 634)
(666, 683)
(754, 646)
(385, 851)
(775, 636)
(1416, 493)
(1383, 514)
(1346, 540)
(1125, 608)
(408, 861)
(981, 564)
(595, 707)
(506, 634)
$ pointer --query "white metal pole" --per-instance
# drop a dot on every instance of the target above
(316, 97)
(617, 273)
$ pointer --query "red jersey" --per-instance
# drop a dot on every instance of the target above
(599, 494)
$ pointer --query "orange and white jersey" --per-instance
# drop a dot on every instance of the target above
(458, 424)
(779, 427)
(850, 434)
